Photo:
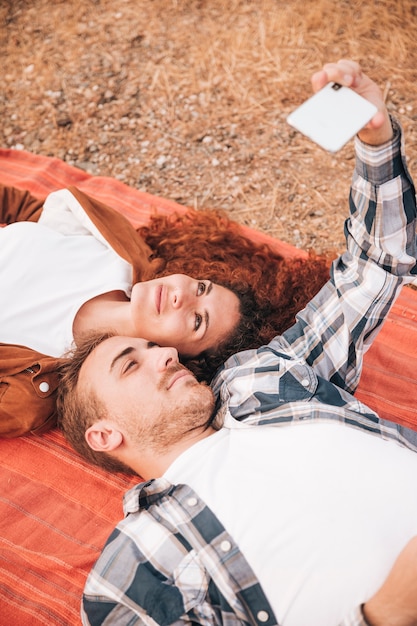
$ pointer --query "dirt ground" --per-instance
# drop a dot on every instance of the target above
(187, 99)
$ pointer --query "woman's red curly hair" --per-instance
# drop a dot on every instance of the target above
(206, 244)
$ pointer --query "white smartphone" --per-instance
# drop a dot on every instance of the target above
(332, 116)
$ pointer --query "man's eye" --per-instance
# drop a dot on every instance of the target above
(129, 365)
(198, 321)
(201, 287)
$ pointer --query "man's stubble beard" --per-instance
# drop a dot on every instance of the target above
(174, 423)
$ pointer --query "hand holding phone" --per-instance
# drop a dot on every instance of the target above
(332, 116)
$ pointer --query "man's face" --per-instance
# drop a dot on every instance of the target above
(146, 390)
(193, 315)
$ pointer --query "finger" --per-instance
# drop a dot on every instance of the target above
(319, 80)
(344, 72)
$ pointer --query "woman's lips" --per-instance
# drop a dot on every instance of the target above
(158, 299)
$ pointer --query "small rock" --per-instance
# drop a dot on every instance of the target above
(161, 161)
(64, 120)
(87, 166)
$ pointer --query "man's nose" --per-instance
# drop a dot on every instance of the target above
(166, 357)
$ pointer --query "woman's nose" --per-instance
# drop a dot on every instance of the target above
(180, 298)
(176, 300)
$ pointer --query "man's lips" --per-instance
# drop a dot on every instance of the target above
(179, 374)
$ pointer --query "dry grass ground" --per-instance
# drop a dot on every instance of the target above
(188, 98)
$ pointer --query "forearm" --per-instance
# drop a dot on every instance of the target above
(17, 205)
(382, 221)
(395, 603)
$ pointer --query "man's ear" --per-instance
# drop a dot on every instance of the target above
(103, 436)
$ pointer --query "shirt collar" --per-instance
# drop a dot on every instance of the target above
(145, 494)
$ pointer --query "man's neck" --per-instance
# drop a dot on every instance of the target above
(153, 464)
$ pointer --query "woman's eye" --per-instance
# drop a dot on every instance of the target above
(198, 320)
(201, 287)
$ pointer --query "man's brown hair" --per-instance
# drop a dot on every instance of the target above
(78, 409)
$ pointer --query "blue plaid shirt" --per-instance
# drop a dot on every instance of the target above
(170, 561)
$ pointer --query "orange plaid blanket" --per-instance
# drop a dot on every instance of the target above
(55, 510)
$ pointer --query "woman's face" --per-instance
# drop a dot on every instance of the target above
(188, 314)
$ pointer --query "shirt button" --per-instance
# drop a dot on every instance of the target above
(44, 387)
(225, 546)
(263, 616)
(305, 382)
(192, 501)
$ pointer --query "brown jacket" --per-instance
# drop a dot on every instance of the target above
(28, 379)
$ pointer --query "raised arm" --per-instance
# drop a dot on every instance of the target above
(339, 324)
(331, 334)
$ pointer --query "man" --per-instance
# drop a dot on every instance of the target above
(295, 523)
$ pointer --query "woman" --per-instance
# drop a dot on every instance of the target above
(229, 277)
(192, 281)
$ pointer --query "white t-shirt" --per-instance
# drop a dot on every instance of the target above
(49, 269)
(320, 511)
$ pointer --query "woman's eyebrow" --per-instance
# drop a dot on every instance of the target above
(207, 320)
(119, 356)
(206, 315)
